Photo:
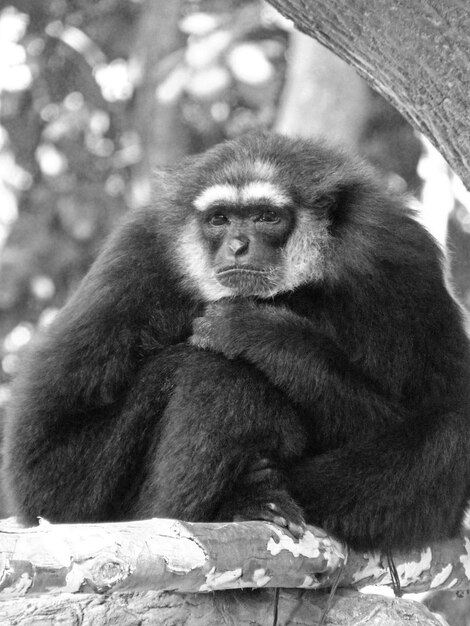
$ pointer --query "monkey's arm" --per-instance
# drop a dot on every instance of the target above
(307, 365)
(71, 438)
(426, 355)
(125, 308)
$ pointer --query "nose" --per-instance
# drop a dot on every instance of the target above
(238, 245)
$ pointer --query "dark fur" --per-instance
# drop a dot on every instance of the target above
(356, 384)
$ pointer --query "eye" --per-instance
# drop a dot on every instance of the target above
(268, 216)
(218, 219)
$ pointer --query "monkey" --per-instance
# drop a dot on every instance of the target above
(273, 338)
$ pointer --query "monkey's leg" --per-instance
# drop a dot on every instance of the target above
(222, 415)
(399, 490)
(86, 467)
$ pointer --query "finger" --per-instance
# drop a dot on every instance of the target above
(198, 342)
(262, 514)
(297, 530)
(279, 521)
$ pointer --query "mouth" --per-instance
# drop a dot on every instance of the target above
(246, 280)
(233, 270)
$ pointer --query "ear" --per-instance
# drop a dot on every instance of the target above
(343, 201)
(346, 194)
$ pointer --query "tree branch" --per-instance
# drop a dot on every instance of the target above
(64, 571)
(173, 555)
(416, 54)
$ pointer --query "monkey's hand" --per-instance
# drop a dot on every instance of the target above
(262, 495)
(227, 326)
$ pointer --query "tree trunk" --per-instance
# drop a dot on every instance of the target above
(416, 54)
(323, 96)
(163, 134)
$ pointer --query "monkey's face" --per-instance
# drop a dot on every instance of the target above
(248, 238)
(257, 216)
(239, 235)
(245, 245)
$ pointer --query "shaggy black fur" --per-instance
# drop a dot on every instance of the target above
(142, 399)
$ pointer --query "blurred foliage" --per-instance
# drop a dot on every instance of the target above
(71, 159)
(68, 148)
(232, 71)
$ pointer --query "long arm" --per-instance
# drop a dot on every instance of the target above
(69, 446)
(307, 364)
(124, 309)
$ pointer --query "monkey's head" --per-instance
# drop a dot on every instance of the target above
(264, 214)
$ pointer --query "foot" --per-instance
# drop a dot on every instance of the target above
(276, 506)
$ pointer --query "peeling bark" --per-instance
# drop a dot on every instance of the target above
(180, 556)
(161, 554)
